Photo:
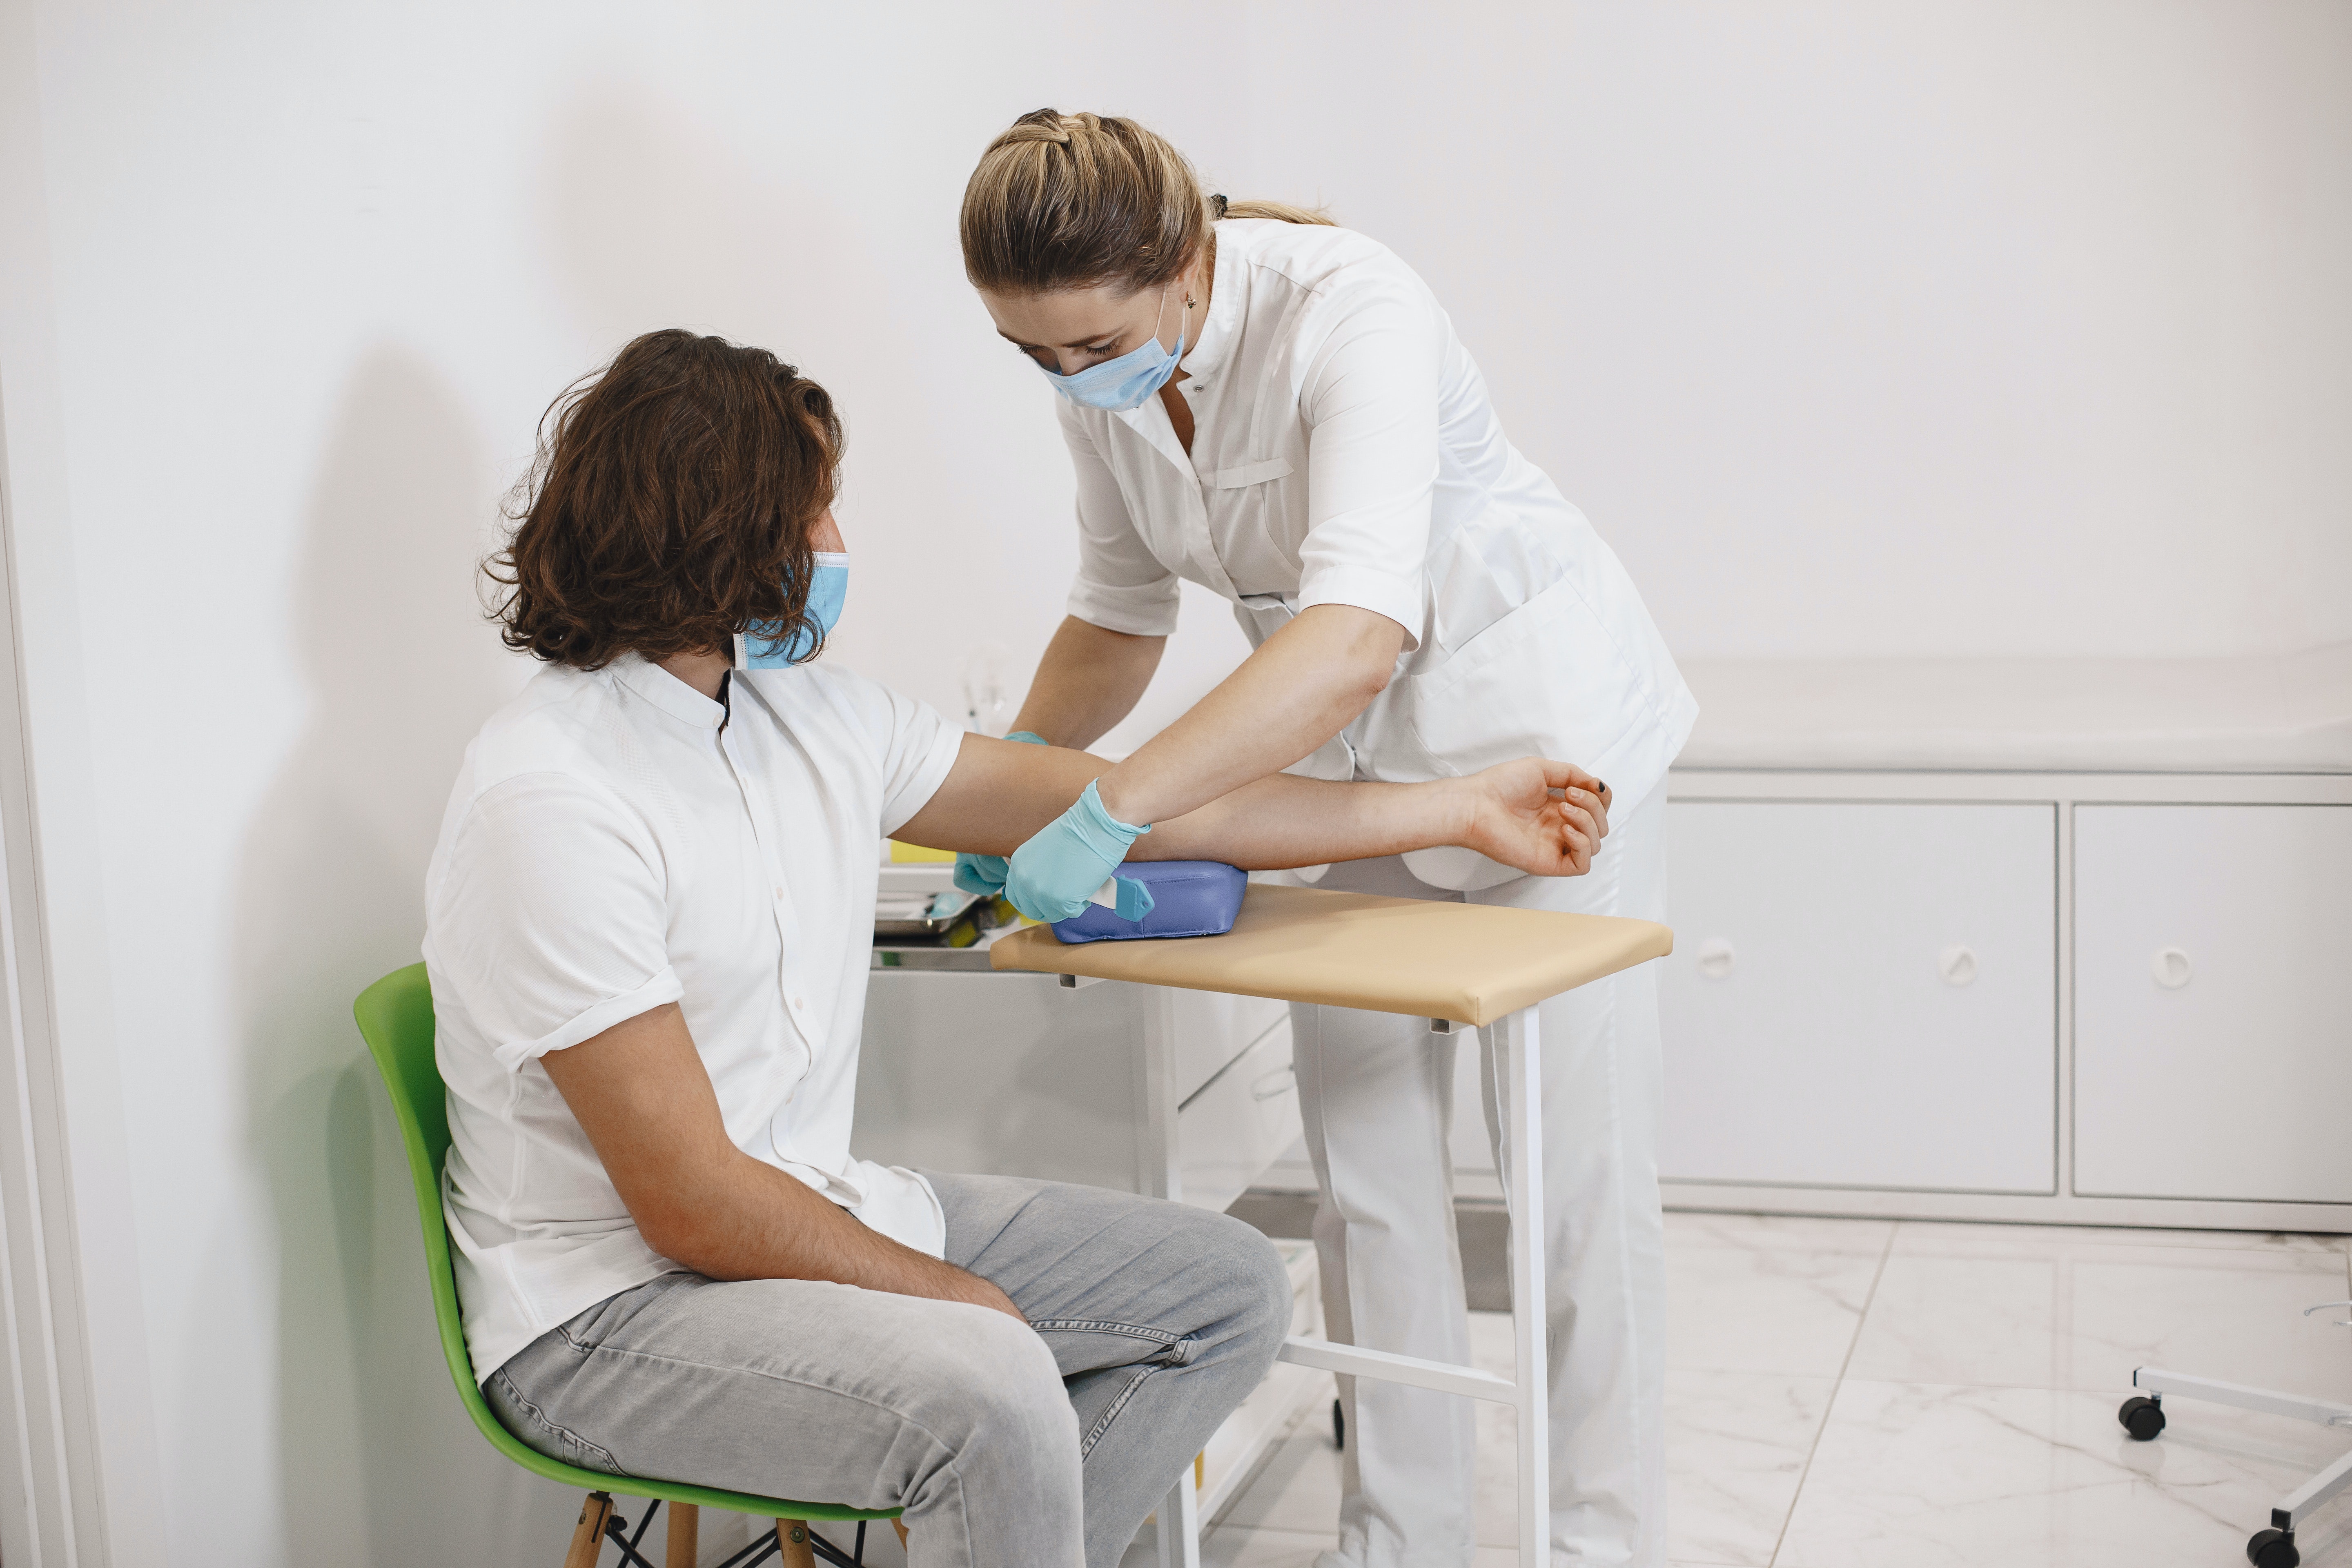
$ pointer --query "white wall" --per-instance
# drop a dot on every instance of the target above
(1947, 327)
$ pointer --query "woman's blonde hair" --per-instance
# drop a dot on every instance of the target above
(1074, 201)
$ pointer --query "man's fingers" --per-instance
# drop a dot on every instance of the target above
(1574, 840)
(1567, 775)
(1585, 818)
(1566, 781)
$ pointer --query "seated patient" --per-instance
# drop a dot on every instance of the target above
(650, 918)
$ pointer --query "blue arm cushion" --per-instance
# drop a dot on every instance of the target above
(1191, 898)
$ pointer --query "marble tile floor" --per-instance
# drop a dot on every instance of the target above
(1899, 1395)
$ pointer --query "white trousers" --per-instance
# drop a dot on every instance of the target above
(1376, 1091)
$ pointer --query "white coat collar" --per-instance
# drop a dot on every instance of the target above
(1227, 295)
(1227, 301)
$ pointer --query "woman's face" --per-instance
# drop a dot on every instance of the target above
(1076, 329)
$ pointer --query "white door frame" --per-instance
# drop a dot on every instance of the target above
(52, 1512)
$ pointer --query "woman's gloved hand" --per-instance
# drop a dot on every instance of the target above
(984, 874)
(1055, 874)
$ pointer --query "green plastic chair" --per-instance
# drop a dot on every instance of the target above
(395, 1017)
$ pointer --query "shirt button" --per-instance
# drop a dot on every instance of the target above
(779, 890)
(800, 1004)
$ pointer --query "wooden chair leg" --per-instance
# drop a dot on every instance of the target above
(684, 1527)
(588, 1539)
(791, 1536)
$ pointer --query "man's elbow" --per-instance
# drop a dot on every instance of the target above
(684, 1225)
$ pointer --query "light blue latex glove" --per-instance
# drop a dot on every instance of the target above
(984, 874)
(1053, 876)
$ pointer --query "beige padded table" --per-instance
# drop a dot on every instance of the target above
(1454, 964)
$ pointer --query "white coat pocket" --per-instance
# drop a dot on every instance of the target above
(1546, 680)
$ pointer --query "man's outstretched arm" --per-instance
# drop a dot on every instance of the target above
(1540, 816)
(640, 1092)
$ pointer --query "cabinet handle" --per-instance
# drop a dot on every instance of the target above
(1958, 965)
(1274, 1083)
(1715, 958)
(2171, 968)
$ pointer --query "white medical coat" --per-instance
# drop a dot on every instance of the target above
(1345, 451)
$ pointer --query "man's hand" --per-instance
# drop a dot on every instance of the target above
(1539, 816)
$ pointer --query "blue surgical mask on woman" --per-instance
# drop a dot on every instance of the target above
(1118, 385)
(828, 591)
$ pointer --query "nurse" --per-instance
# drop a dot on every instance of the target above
(1277, 409)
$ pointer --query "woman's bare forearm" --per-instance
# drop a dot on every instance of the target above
(1089, 680)
(1304, 685)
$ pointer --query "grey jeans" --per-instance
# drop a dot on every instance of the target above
(1007, 1447)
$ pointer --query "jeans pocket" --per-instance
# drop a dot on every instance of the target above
(588, 1331)
(528, 1421)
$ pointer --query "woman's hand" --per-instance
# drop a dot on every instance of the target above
(1542, 816)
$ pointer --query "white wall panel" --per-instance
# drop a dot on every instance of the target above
(2213, 1002)
(1862, 994)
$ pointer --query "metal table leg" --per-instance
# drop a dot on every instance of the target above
(1179, 1525)
(1519, 1043)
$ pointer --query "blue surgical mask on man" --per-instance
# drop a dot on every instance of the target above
(1118, 385)
(828, 591)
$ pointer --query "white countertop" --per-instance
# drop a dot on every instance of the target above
(2289, 713)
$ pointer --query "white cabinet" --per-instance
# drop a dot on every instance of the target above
(2213, 1002)
(1007, 1074)
(1862, 994)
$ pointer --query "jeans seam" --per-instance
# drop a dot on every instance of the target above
(564, 1433)
(1111, 1326)
(1102, 1422)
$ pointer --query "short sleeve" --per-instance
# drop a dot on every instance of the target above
(1370, 405)
(1120, 587)
(913, 747)
(550, 918)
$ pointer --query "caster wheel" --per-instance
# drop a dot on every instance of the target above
(2273, 1549)
(1339, 1426)
(2143, 1418)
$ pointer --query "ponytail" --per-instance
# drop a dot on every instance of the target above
(1281, 212)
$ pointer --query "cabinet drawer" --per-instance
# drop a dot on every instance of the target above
(1239, 1122)
(2213, 1002)
(1862, 994)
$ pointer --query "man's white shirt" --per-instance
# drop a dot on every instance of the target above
(616, 841)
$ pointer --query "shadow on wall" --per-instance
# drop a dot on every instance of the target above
(653, 219)
(378, 1462)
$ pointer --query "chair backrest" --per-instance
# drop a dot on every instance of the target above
(395, 1019)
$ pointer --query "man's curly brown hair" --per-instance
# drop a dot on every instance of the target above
(670, 506)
